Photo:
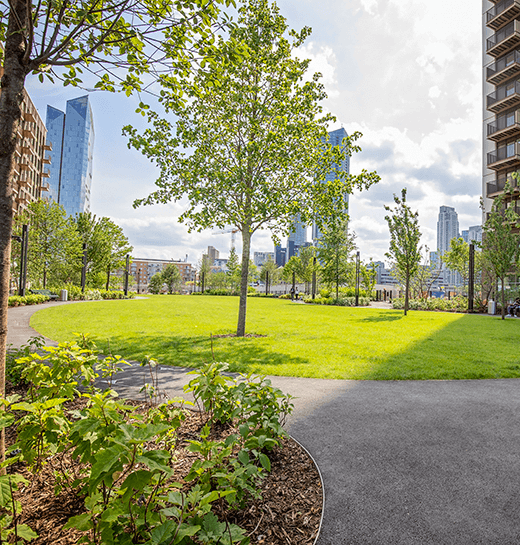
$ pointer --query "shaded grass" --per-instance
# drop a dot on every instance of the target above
(302, 340)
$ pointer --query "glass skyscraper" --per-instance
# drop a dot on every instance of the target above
(335, 139)
(72, 137)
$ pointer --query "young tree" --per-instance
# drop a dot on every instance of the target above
(251, 151)
(294, 265)
(335, 252)
(54, 247)
(405, 236)
(117, 249)
(156, 283)
(172, 278)
(457, 258)
(500, 243)
(368, 276)
(308, 267)
(118, 41)
(270, 268)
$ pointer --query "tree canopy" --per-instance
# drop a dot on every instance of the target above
(251, 151)
(405, 251)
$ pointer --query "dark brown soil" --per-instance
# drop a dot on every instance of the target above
(288, 513)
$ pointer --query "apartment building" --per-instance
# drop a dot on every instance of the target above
(143, 269)
(30, 164)
(501, 105)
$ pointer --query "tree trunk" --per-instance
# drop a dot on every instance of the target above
(11, 97)
(406, 292)
(246, 246)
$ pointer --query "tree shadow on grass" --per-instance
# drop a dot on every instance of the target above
(385, 316)
(472, 347)
(241, 353)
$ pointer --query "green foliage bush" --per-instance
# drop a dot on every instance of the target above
(75, 293)
(261, 294)
(31, 299)
(342, 301)
(126, 480)
(456, 304)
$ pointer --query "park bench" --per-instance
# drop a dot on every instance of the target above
(48, 293)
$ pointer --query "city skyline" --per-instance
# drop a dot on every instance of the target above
(418, 103)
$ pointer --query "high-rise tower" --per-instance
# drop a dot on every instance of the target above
(335, 139)
(72, 137)
(501, 108)
(447, 229)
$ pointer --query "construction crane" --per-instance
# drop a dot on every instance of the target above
(232, 230)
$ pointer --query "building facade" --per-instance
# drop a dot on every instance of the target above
(259, 258)
(71, 134)
(143, 269)
(30, 169)
(501, 104)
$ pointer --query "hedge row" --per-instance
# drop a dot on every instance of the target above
(457, 304)
(32, 299)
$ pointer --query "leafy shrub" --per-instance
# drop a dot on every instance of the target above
(456, 304)
(261, 294)
(126, 481)
(31, 299)
(75, 293)
(340, 301)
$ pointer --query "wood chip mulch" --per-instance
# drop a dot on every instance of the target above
(228, 335)
(288, 513)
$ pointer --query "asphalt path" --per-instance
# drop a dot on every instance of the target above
(410, 462)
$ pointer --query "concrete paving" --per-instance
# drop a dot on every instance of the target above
(412, 462)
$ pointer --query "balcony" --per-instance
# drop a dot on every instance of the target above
(504, 127)
(504, 98)
(497, 186)
(45, 186)
(28, 116)
(28, 132)
(507, 156)
(46, 160)
(504, 68)
(501, 13)
(47, 146)
(46, 173)
(505, 39)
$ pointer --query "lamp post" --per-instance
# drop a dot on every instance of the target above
(24, 242)
(138, 280)
(314, 278)
(357, 278)
(471, 275)
(84, 268)
(127, 272)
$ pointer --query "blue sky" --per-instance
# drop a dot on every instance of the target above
(406, 73)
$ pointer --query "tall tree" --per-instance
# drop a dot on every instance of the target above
(118, 41)
(500, 243)
(335, 252)
(117, 249)
(171, 276)
(54, 246)
(405, 251)
(270, 270)
(250, 151)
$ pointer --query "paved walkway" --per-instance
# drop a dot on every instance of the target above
(412, 462)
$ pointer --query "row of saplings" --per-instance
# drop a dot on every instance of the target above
(124, 455)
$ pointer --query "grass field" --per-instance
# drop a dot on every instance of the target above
(301, 340)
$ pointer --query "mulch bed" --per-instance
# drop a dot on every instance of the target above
(288, 513)
(227, 335)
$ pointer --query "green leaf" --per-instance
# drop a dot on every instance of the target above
(243, 456)
(163, 533)
(244, 430)
(264, 460)
(80, 522)
(26, 533)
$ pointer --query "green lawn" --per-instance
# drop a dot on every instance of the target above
(301, 340)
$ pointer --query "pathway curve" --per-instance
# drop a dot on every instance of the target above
(411, 462)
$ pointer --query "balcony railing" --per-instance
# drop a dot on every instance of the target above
(504, 68)
(503, 40)
(498, 185)
(505, 126)
(501, 13)
(505, 156)
(504, 97)
(46, 173)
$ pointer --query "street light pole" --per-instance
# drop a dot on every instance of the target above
(127, 272)
(84, 268)
(314, 278)
(357, 278)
